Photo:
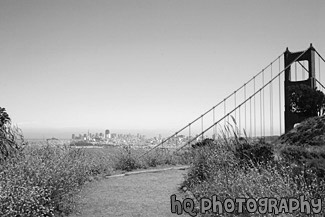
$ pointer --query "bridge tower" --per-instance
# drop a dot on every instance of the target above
(291, 118)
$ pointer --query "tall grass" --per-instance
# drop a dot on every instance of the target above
(223, 168)
(128, 159)
(44, 180)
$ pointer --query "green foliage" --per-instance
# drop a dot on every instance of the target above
(306, 101)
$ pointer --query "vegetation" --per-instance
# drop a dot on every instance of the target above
(234, 167)
(306, 101)
(11, 138)
(128, 159)
(44, 180)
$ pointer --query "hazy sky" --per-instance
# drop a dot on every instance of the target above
(142, 65)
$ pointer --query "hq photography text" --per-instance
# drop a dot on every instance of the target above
(239, 205)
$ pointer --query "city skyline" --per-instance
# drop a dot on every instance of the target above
(138, 66)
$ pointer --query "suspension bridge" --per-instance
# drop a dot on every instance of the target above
(258, 108)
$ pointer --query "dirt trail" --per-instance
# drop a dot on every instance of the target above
(136, 195)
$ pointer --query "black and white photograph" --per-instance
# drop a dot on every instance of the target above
(141, 108)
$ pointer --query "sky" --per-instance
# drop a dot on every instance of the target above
(144, 66)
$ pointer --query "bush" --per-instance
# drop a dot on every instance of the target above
(44, 181)
(310, 132)
(218, 170)
(254, 154)
(207, 160)
(126, 161)
(305, 101)
(11, 138)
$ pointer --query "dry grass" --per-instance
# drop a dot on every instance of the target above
(218, 171)
(44, 180)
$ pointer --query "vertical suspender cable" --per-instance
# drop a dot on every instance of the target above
(263, 105)
(319, 68)
(239, 121)
(302, 71)
(261, 112)
(224, 110)
(271, 105)
(296, 71)
(214, 128)
(235, 104)
(250, 117)
(280, 98)
(245, 103)
(189, 132)
(202, 127)
(254, 109)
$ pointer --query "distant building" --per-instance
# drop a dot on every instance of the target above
(73, 136)
(107, 134)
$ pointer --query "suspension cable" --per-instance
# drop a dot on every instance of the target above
(271, 106)
(224, 110)
(214, 129)
(296, 79)
(254, 110)
(245, 104)
(189, 132)
(235, 102)
(263, 106)
(319, 67)
(302, 70)
(303, 67)
(261, 114)
(202, 127)
(239, 120)
(280, 98)
(320, 55)
(250, 118)
(319, 83)
(259, 91)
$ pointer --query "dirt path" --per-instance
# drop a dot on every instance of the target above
(136, 195)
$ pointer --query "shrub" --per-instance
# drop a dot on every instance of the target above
(44, 181)
(11, 138)
(310, 132)
(218, 170)
(126, 161)
(305, 101)
(255, 153)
